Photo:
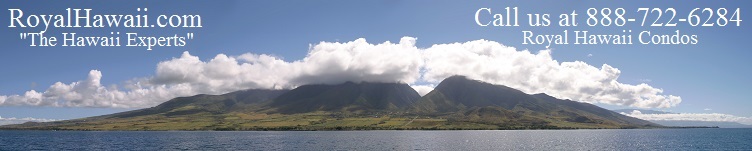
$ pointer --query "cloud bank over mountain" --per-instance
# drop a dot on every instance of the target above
(539, 73)
(357, 61)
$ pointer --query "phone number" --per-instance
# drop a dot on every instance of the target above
(707, 17)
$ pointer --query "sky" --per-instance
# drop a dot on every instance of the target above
(251, 44)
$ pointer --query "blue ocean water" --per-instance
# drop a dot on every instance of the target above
(631, 139)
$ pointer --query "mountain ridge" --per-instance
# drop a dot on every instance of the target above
(456, 103)
(348, 96)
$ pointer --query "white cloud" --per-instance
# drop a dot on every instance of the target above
(589, 55)
(707, 117)
(90, 93)
(13, 120)
(326, 63)
(423, 89)
(333, 63)
(358, 60)
(707, 109)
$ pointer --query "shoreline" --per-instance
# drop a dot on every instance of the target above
(357, 129)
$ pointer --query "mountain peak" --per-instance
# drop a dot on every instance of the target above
(457, 77)
(544, 95)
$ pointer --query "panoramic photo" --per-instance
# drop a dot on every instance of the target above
(375, 75)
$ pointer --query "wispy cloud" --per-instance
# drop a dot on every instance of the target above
(708, 117)
(358, 60)
(13, 120)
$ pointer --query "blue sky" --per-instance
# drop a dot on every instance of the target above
(713, 74)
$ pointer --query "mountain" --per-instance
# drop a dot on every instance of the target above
(346, 97)
(456, 103)
(181, 109)
(457, 94)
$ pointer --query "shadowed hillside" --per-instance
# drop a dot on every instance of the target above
(346, 97)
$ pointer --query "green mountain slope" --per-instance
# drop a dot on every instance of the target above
(243, 100)
(184, 113)
(590, 109)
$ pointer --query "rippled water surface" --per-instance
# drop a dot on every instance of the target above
(640, 139)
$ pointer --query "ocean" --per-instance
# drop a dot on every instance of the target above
(611, 139)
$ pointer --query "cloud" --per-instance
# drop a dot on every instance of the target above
(423, 89)
(707, 117)
(357, 61)
(13, 120)
(707, 109)
(91, 93)
(326, 63)
(589, 55)
(644, 80)
(539, 73)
